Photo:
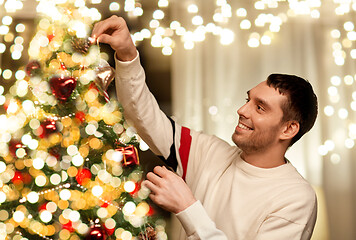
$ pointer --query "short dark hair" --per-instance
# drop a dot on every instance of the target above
(302, 103)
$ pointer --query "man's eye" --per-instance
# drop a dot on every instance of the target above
(260, 108)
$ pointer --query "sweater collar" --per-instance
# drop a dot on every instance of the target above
(275, 172)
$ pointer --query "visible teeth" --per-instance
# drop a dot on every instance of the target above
(244, 127)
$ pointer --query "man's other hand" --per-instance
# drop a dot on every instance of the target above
(168, 190)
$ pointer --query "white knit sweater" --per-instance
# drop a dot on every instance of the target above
(236, 200)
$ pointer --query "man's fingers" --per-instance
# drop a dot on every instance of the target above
(113, 22)
(154, 178)
(105, 38)
(154, 198)
(150, 186)
(161, 171)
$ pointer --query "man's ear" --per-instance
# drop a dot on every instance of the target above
(290, 129)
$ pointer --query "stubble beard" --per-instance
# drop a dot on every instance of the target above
(256, 142)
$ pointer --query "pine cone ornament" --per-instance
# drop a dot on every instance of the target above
(81, 45)
(148, 234)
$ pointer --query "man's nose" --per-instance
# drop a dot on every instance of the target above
(243, 111)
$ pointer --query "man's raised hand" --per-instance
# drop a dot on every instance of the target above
(114, 31)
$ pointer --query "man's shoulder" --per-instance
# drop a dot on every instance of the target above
(200, 137)
(295, 200)
(298, 193)
(293, 187)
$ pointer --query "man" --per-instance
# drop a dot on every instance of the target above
(220, 191)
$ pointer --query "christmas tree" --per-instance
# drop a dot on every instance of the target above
(70, 168)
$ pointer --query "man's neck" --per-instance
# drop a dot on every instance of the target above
(264, 159)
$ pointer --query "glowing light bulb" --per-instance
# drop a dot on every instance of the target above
(329, 110)
(348, 26)
(2, 48)
(266, 40)
(253, 42)
(46, 216)
(18, 216)
(335, 80)
(349, 143)
(97, 190)
(192, 8)
(335, 33)
(245, 24)
(335, 158)
(129, 208)
(343, 113)
(129, 186)
(32, 197)
(322, 150)
(2, 197)
(158, 14)
(163, 3)
(65, 194)
(7, 20)
(2, 167)
(197, 20)
(227, 37)
(114, 6)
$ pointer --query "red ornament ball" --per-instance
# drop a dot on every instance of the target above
(42, 207)
(80, 116)
(68, 226)
(14, 145)
(83, 176)
(62, 87)
(18, 177)
(55, 152)
(33, 68)
(47, 127)
(96, 233)
(50, 37)
(27, 179)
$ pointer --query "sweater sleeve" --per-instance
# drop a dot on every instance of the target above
(198, 225)
(141, 108)
(157, 130)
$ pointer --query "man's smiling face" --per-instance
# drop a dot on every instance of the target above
(260, 119)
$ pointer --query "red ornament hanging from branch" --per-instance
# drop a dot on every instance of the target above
(18, 177)
(47, 128)
(80, 116)
(96, 233)
(55, 152)
(50, 37)
(130, 156)
(33, 68)
(62, 87)
(83, 176)
(68, 226)
(14, 145)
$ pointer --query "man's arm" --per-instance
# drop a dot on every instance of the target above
(155, 129)
(140, 106)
